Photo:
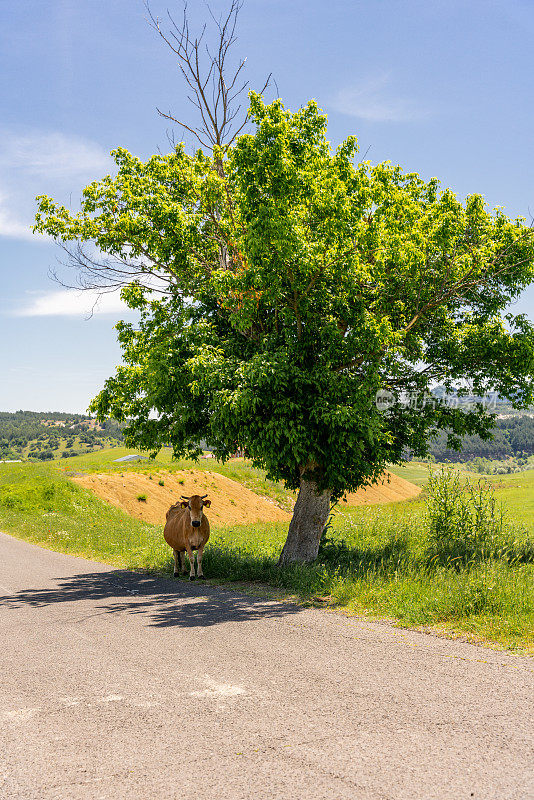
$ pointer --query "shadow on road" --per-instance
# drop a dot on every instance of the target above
(163, 602)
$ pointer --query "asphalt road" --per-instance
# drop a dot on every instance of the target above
(116, 685)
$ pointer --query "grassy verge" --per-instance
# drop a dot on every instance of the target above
(380, 561)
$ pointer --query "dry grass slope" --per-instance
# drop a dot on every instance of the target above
(232, 503)
(390, 489)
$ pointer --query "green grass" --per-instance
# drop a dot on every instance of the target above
(414, 471)
(516, 492)
(102, 460)
(379, 561)
(44, 507)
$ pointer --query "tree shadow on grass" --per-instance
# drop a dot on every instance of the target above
(358, 559)
(162, 602)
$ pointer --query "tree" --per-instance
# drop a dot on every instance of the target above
(341, 281)
(44, 455)
(281, 286)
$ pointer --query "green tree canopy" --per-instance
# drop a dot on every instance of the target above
(296, 285)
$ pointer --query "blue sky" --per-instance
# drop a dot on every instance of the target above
(442, 88)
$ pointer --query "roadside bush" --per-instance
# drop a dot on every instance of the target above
(467, 526)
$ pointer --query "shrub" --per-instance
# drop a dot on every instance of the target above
(466, 525)
(161, 483)
(44, 455)
(141, 498)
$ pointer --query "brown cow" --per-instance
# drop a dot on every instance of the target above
(187, 529)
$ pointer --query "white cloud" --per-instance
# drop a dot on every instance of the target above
(43, 162)
(14, 228)
(375, 101)
(73, 303)
(52, 154)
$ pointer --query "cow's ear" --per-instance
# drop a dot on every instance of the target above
(184, 503)
(207, 503)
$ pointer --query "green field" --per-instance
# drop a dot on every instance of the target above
(377, 560)
(516, 492)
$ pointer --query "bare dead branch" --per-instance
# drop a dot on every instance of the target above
(215, 86)
(103, 275)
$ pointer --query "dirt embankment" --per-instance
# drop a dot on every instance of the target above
(232, 503)
(390, 489)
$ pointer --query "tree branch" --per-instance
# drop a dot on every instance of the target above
(213, 85)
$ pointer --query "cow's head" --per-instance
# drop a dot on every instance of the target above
(195, 505)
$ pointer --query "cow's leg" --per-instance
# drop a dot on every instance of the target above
(177, 562)
(183, 565)
(191, 555)
(200, 550)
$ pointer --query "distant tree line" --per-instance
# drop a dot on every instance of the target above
(512, 437)
(23, 434)
(36, 434)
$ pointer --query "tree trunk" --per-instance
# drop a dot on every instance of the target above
(307, 524)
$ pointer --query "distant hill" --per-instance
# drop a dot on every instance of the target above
(44, 435)
(513, 434)
(513, 437)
